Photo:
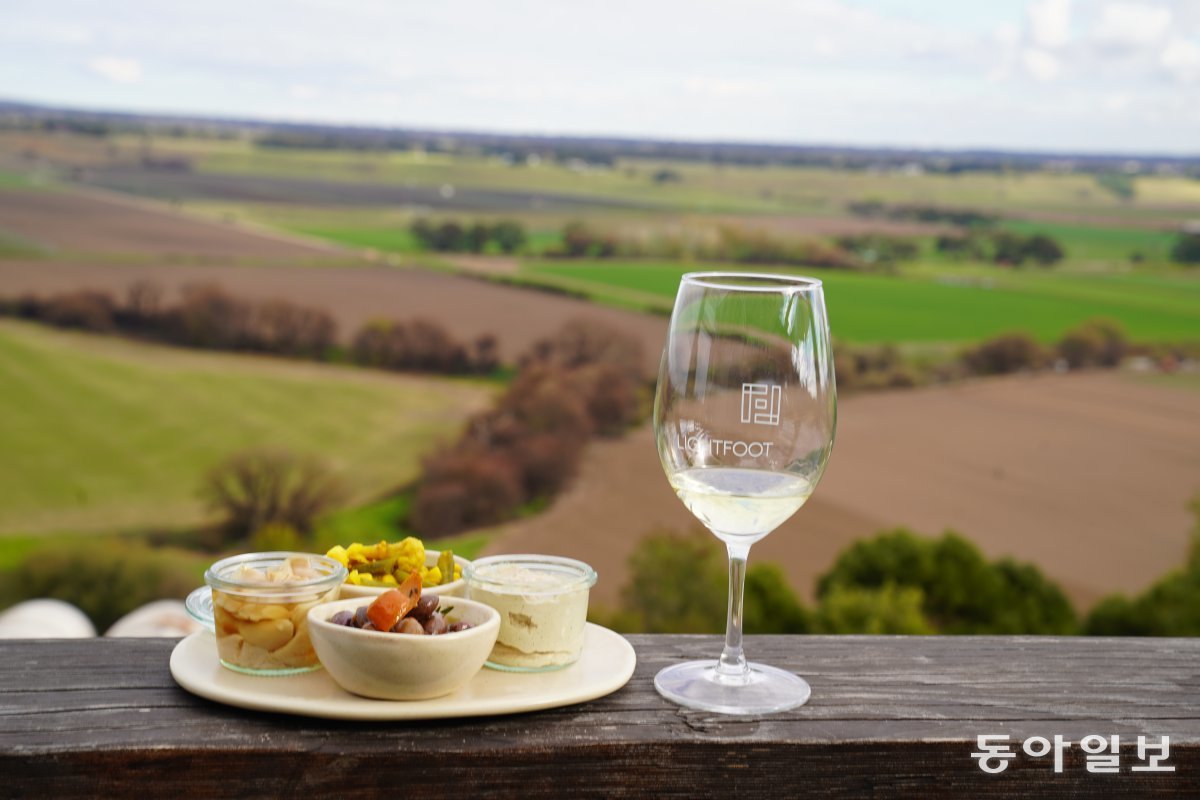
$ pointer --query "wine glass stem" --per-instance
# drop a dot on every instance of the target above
(732, 667)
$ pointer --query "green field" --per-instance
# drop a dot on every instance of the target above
(390, 240)
(102, 434)
(15, 180)
(14, 246)
(932, 308)
(1102, 243)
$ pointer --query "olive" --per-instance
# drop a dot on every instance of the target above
(360, 617)
(425, 606)
(458, 626)
(342, 618)
(410, 626)
(435, 624)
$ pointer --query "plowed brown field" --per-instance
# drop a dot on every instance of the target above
(92, 232)
(102, 224)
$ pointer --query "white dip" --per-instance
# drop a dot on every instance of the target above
(542, 614)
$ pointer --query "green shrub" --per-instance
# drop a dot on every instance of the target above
(889, 609)
(1193, 560)
(276, 536)
(896, 583)
(417, 345)
(875, 367)
(263, 486)
(678, 583)
(962, 591)
(89, 309)
(961, 246)
(770, 605)
(1171, 607)
(1096, 343)
(453, 236)
(509, 236)
(875, 248)
(1044, 250)
(1013, 249)
(464, 489)
(1186, 249)
(1030, 603)
(1008, 352)
(108, 578)
(583, 380)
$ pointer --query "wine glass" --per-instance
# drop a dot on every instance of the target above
(744, 419)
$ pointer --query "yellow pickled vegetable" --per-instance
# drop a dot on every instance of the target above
(389, 564)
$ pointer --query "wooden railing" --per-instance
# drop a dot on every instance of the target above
(889, 717)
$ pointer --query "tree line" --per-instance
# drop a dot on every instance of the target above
(918, 212)
(206, 316)
(1004, 248)
(578, 239)
(730, 244)
(896, 582)
(583, 381)
(1094, 343)
(451, 236)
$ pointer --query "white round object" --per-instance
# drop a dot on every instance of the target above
(165, 618)
(45, 618)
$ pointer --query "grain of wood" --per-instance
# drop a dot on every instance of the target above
(890, 716)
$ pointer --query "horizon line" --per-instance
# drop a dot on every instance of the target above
(9, 104)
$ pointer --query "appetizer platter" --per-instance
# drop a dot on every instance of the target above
(415, 635)
(604, 667)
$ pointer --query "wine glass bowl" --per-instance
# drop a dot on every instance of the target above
(744, 417)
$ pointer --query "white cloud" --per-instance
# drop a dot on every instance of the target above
(68, 34)
(1117, 102)
(724, 88)
(826, 47)
(1049, 22)
(1040, 65)
(117, 70)
(1130, 26)
(303, 91)
(1181, 58)
(1007, 35)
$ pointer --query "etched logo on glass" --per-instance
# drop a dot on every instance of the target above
(760, 403)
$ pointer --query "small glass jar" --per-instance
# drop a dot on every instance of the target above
(543, 602)
(260, 604)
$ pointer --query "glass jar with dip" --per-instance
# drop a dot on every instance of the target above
(543, 603)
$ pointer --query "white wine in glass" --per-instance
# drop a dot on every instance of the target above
(744, 419)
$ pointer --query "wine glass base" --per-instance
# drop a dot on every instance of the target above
(696, 684)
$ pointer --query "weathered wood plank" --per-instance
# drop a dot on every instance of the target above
(890, 716)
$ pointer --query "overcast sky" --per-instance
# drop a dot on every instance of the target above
(1088, 75)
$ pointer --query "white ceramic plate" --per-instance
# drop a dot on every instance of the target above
(606, 665)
